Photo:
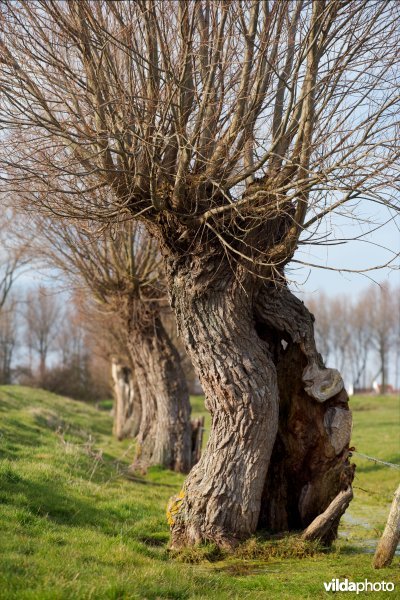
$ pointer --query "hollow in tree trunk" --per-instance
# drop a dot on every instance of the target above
(310, 461)
(278, 449)
(164, 436)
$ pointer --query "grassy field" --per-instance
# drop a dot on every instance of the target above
(74, 523)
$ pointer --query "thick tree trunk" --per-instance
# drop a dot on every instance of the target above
(127, 405)
(164, 436)
(222, 495)
(235, 339)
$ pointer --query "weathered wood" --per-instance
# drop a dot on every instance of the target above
(338, 424)
(390, 537)
(233, 330)
(278, 308)
(310, 461)
(320, 527)
(127, 404)
(322, 383)
(164, 437)
(221, 498)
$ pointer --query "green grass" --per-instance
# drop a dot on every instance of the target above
(76, 524)
(376, 434)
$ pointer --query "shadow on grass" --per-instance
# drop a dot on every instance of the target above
(55, 504)
(21, 434)
(136, 479)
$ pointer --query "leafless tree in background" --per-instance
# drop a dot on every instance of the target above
(341, 331)
(42, 314)
(120, 268)
(360, 343)
(8, 338)
(383, 313)
(8, 273)
(369, 325)
(13, 256)
(234, 130)
(78, 370)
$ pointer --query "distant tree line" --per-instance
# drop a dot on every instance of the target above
(67, 351)
(113, 334)
(360, 334)
(45, 344)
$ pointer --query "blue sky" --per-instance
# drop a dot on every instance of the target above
(352, 255)
(376, 248)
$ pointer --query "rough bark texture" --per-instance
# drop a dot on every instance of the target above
(127, 406)
(164, 437)
(222, 495)
(390, 537)
(234, 336)
(310, 461)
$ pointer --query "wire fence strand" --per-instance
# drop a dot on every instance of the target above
(377, 460)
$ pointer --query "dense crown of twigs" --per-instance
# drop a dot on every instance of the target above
(118, 265)
(247, 121)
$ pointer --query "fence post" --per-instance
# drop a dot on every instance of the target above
(391, 536)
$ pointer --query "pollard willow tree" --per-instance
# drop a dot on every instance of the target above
(120, 268)
(232, 130)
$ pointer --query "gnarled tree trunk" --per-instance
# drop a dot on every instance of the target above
(278, 449)
(310, 461)
(127, 405)
(222, 495)
(164, 436)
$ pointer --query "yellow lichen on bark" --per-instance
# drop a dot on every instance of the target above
(173, 507)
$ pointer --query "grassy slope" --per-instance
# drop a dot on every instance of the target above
(75, 526)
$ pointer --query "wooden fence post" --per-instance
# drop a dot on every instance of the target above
(390, 537)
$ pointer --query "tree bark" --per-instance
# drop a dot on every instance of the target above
(310, 461)
(164, 436)
(221, 498)
(257, 472)
(127, 406)
(320, 528)
(390, 537)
